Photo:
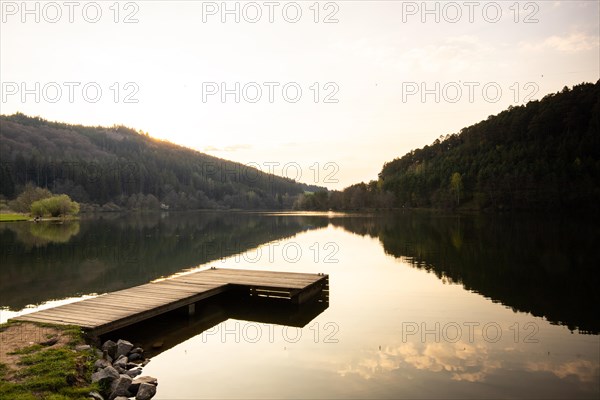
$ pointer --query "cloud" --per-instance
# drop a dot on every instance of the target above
(455, 54)
(573, 43)
(228, 149)
(211, 148)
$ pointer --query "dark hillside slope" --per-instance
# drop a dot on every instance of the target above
(545, 155)
(119, 165)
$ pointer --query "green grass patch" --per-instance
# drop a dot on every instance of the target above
(50, 373)
(13, 217)
(28, 350)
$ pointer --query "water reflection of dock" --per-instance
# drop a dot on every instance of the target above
(159, 334)
(116, 310)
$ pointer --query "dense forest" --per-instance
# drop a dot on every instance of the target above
(119, 167)
(543, 155)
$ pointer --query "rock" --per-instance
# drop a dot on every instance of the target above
(134, 372)
(95, 396)
(83, 347)
(120, 386)
(110, 347)
(146, 362)
(123, 347)
(145, 392)
(99, 353)
(135, 356)
(121, 362)
(131, 365)
(121, 398)
(137, 382)
(146, 379)
(99, 364)
(105, 356)
(50, 342)
(136, 350)
(121, 370)
(107, 374)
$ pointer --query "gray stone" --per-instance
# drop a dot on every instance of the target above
(123, 347)
(121, 370)
(131, 365)
(121, 362)
(137, 350)
(145, 392)
(146, 379)
(99, 364)
(99, 353)
(95, 396)
(137, 382)
(120, 386)
(110, 347)
(50, 342)
(83, 347)
(135, 357)
(108, 374)
(121, 398)
(107, 357)
(134, 372)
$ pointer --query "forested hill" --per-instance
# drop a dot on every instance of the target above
(130, 169)
(545, 155)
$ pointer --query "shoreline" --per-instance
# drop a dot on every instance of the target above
(41, 360)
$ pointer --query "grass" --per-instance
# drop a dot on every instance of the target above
(13, 217)
(57, 373)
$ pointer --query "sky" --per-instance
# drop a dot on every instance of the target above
(324, 92)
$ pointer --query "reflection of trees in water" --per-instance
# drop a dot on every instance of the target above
(42, 233)
(118, 251)
(51, 232)
(546, 266)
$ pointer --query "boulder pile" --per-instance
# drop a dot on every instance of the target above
(118, 372)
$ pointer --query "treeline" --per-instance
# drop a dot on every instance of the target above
(119, 167)
(544, 155)
(359, 196)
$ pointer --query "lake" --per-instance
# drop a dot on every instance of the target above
(421, 305)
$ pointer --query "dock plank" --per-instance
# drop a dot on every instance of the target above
(121, 308)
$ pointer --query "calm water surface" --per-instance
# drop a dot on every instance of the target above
(420, 305)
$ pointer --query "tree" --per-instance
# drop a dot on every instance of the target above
(29, 195)
(55, 206)
(456, 185)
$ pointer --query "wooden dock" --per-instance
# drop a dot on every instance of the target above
(111, 311)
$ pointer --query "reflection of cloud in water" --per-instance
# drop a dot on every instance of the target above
(465, 362)
(584, 370)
